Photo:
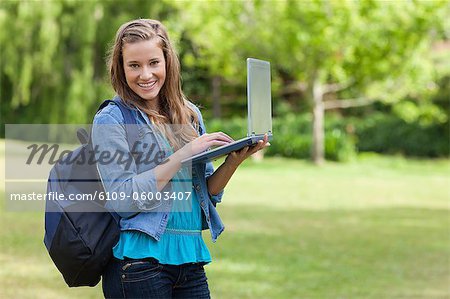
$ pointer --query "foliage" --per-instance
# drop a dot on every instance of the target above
(379, 49)
(53, 67)
(371, 51)
(389, 134)
(53, 56)
(292, 137)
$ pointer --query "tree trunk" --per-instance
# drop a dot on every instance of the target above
(318, 145)
(217, 111)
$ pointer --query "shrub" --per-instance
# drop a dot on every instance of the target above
(344, 137)
(384, 133)
(292, 137)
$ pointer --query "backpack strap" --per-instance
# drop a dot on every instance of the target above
(130, 121)
(130, 128)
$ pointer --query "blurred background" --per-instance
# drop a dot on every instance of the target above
(361, 88)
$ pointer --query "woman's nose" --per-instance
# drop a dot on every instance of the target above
(146, 73)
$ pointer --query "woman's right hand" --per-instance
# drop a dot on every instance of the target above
(203, 142)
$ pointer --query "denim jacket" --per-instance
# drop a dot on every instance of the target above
(122, 180)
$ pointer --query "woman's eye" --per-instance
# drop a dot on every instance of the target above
(154, 62)
(134, 66)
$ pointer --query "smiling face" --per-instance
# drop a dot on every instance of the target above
(145, 69)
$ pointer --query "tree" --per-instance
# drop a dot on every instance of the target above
(352, 53)
(53, 53)
(215, 31)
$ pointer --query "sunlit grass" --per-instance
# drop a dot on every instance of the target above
(373, 228)
(362, 184)
(379, 253)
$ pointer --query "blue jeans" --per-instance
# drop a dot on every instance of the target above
(146, 278)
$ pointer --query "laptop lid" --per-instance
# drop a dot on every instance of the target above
(259, 102)
(259, 99)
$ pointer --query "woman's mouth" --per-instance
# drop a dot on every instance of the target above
(148, 85)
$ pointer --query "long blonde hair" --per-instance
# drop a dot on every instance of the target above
(175, 109)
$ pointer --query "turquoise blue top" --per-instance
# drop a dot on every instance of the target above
(181, 243)
(182, 240)
(108, 124)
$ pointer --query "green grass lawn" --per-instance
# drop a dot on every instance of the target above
(373, 228)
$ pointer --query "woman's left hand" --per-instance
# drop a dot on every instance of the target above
(237, 157)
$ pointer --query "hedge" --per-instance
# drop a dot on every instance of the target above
(344, 137)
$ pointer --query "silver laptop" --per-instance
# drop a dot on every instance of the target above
(259, 105)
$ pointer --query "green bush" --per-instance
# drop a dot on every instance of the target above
(389, 134)
(339, 145)
(344, 137)
(292, 137)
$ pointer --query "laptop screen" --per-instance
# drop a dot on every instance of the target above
(259, 97)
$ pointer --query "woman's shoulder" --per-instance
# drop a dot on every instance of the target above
(200, 126)
(195, 108)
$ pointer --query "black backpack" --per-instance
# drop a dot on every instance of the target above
(79, 235)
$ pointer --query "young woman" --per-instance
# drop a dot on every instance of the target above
(160, 253)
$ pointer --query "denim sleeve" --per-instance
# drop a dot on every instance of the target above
(119, 175)
(209, 170)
